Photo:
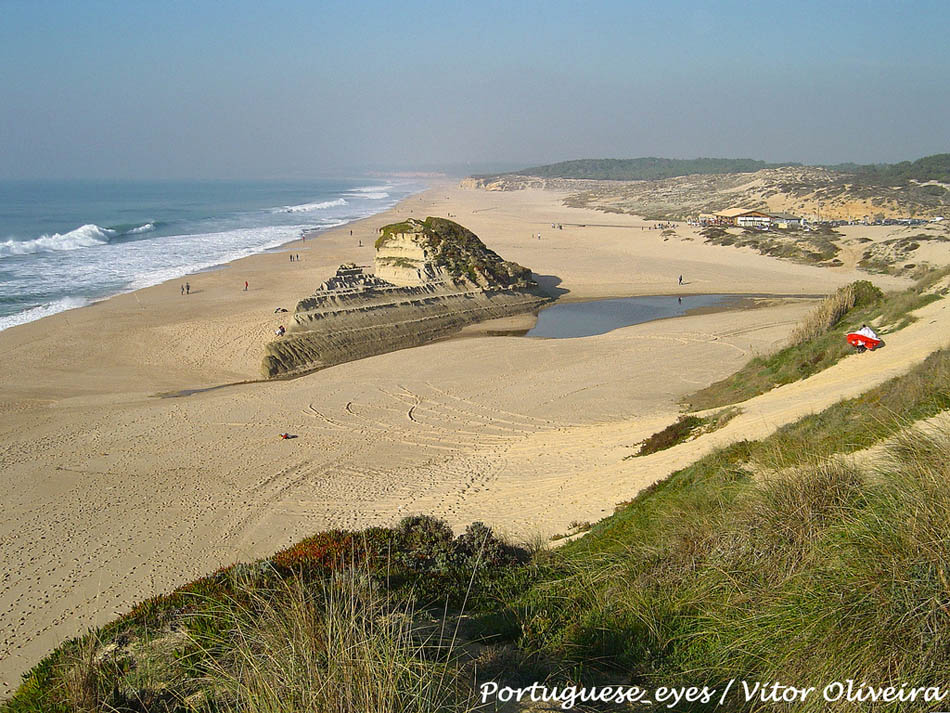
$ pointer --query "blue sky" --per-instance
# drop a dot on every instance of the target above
(130, 88)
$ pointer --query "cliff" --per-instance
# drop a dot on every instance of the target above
(432, 278)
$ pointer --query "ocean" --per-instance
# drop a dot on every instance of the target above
(65, 244)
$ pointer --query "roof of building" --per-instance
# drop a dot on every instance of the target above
(784, 216)
(736, 212)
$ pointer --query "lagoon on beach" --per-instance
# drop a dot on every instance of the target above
(585, 319)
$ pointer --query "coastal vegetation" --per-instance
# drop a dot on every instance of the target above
(808, 247)
(685, 428)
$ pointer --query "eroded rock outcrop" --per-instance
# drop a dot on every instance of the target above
(432, 278)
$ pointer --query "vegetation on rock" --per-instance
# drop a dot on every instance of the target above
(460, 252)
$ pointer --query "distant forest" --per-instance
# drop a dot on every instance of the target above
(936, 167)
(928, 168)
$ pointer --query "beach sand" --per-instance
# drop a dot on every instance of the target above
(112, 493)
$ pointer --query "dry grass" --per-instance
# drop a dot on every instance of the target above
(346, 646)
(825, 316)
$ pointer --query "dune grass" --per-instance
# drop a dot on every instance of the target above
(818, 341)
(682, 430)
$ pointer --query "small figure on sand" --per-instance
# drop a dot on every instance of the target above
(280, 331)
(183, 289)
(245, 285)
(361, 243)
(187, 288)
(681, 280)
(297, 259)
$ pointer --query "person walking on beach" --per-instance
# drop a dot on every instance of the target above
(187, 288)
(681, 279)
(183, 289)
(245, 285)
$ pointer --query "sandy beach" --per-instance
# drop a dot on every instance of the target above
(112, 493)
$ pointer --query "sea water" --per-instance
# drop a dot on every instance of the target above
(64, 244)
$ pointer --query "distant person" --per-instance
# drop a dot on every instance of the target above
(291, 257)
(351, 233)
(681, 280)
(183, 289)
(297, 259)
(361, 243)
(187, 288)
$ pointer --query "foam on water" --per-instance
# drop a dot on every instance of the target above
(44, 310)
(307, 207)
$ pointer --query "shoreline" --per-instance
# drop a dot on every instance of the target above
(111, 495)
(304, 234)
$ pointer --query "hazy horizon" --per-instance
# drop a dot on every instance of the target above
(106, 89)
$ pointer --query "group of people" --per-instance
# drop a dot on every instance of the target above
(186, 289)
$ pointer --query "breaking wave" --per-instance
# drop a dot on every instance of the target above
(147, 228)
(371, 189)
(85, 236)
(370, 196)
(307, 207)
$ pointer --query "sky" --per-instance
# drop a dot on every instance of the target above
(260, 89)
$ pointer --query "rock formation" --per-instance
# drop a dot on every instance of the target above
(432, 278)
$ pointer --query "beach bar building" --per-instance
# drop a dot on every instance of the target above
(743, 217)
